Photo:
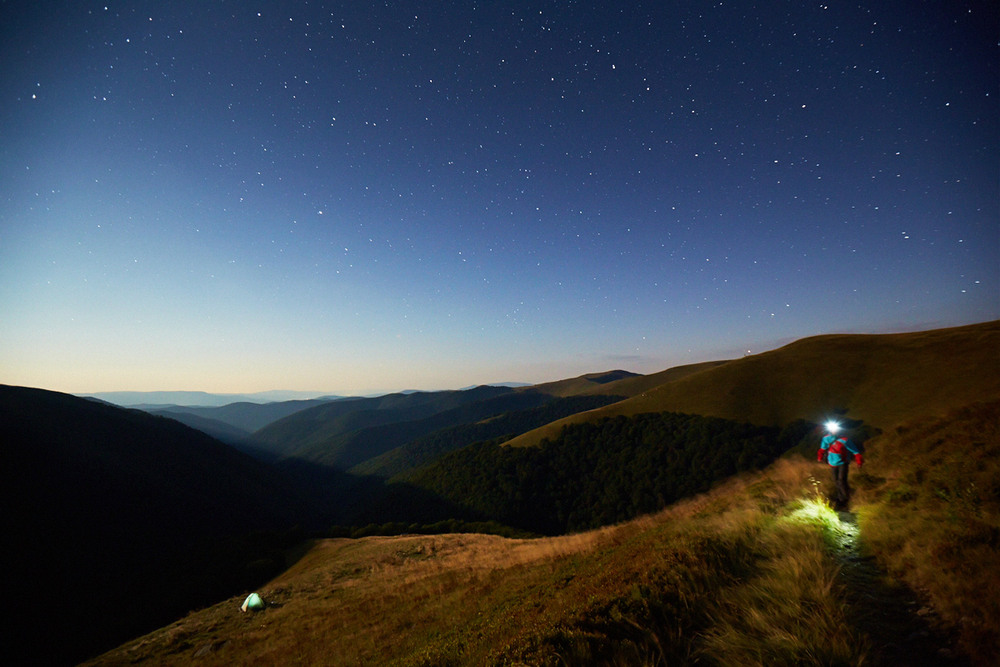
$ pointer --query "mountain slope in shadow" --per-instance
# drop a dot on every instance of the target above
(118, 521)
(348, 433)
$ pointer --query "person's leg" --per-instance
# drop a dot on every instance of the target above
(843, 491)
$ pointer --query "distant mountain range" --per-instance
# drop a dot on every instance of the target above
(170, 399)
(235, 422)
(198, 398)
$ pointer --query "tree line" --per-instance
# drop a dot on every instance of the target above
(403, 460)
(600, 473)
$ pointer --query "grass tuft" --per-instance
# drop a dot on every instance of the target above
(791, 611)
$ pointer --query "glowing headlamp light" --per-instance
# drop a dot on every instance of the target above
(832, 426)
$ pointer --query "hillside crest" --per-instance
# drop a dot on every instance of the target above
(879, 378)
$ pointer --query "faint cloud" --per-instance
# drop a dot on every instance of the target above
(632, 358)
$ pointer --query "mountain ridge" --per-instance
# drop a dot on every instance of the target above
(159, 399)
(345, 434)
(242, 415)
(879, 378)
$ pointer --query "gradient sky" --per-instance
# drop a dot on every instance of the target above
(353, 197)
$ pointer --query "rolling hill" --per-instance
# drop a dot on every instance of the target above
(245, 416)
(620, 383)
(755, 572)
(880, 379)
(505, 419)
(348, 433)
(589, 383)
(220, 430)
(317, 434)
(157, 399)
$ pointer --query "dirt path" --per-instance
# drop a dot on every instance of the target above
(888, 612)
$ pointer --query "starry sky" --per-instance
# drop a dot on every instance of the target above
(354, 197)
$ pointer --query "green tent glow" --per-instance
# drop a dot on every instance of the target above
(252, 603)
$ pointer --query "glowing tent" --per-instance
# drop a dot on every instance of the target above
(252, 603)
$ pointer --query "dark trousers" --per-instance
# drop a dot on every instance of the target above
(843, 493)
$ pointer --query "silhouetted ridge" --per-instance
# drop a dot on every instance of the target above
(313, 434)
(123, 520)
(610, 376)
(503, 422)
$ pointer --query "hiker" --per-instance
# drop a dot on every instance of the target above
(838, 452)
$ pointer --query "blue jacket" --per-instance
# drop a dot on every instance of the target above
(841, 453)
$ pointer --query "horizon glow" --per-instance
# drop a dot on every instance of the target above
(357, 198)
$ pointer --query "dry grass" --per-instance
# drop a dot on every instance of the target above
(932, 514)
(785, 613)
(881, 379)
(364, 601)
(629, 386)
(659, 590)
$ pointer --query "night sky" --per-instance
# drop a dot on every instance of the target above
(355, 197)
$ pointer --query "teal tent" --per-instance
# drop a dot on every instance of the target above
(252, 603)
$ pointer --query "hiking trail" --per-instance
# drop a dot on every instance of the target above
(886, 611)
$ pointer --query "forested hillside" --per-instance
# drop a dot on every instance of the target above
(601, 473)
(317, 433)
(390, 434)
(502, 426)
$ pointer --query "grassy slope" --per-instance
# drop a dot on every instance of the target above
(648, 589)
(746, 574)
(881, 379)
(930, 508)
(633, 386)
(591, 383)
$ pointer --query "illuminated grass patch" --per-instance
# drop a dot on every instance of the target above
(816, 512)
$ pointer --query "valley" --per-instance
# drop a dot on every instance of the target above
(662, 519)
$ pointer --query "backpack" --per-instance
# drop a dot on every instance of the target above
(839, 446)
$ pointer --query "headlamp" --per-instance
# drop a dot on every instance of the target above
(832, 426)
